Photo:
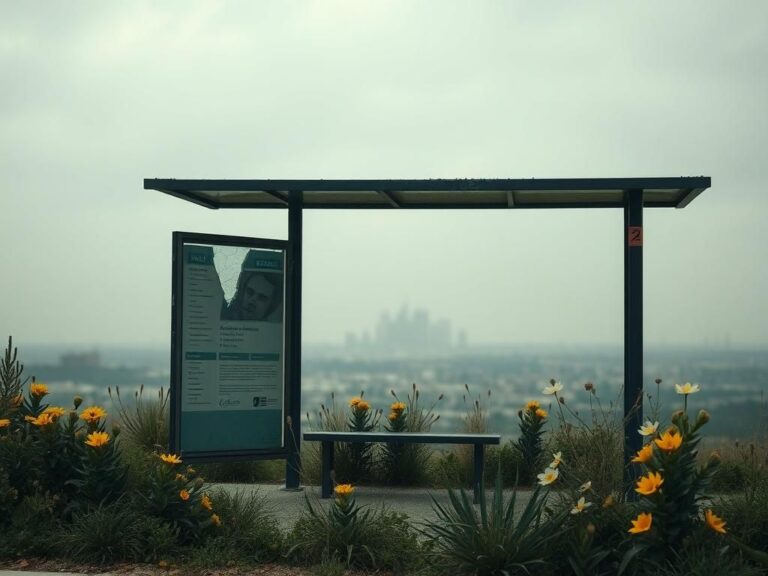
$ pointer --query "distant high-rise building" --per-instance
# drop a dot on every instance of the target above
(407, 333)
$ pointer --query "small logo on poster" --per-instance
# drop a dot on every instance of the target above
(259, 401)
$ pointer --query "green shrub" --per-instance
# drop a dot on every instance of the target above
(244, 472)
(702, 555)
(11, 382)
(248, 525)
(215, 552)
(358, 456)
(408, 464)
(592, 445)
(672, 490)
(329, 567)
(358, 536)
(729, 477)
(505, 460)
(747, 516)
(35, 529)
(474, 421)
(157, 539)
(331, 418)
(589, 546)
(104, 534)
(495, 540)
(177, 495)
(146, 423)
(530, 442)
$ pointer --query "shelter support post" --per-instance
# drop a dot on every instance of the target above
(633, 329)
(293, 341)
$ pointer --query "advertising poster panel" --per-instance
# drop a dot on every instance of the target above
(229, 386)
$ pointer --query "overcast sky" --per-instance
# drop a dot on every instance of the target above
(97, 96)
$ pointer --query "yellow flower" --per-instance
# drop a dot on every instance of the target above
(648, 485)
(55, 411)
(355, 401)
(29, 419)
(554, 388)
(93, 414)
(215, 519)
(97, 439)
(557, 459)
(586, 486)
(343, 490)
(715, 522)
(541, 413)
(4, 422)
(170, 458)
(642, 523)
(43, 419)
(649, 428)
(206, 502)
(644, 454)
(397, 407)
(363, 405)
(548, 476)
(184, 495)
(532, 405)
(669, 441)
(687, 388)
(609, 501)
(38, 390)
(393, 416)
(580, 506)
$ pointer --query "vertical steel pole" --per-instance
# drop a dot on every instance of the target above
(633, 329)
(293, 337)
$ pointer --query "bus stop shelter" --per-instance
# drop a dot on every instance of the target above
(631, 195)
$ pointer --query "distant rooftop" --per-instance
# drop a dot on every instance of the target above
(435, 193)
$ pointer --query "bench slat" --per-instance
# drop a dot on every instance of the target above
(403, 437)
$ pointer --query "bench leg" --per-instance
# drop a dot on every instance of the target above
(326, 470)
(479, 465)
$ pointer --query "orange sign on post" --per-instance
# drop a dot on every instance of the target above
(635, 235)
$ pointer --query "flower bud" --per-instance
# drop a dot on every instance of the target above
(609, 501)
(116, 430)
(77, 400)
(658, 380)
(589, 387)
(714, 459)
(561, 399)
(591, 529)
(702, 418)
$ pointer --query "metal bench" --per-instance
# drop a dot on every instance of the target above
(327, 439)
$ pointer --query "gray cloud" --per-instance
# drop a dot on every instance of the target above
(98, 96)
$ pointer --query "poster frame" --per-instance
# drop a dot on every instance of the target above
(180, 239)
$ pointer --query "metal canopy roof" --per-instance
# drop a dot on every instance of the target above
(437, 193)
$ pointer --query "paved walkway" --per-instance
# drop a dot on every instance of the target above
(287, 506)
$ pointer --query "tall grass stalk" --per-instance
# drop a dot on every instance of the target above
(146, 422)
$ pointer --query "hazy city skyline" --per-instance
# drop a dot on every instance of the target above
(98, 96)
